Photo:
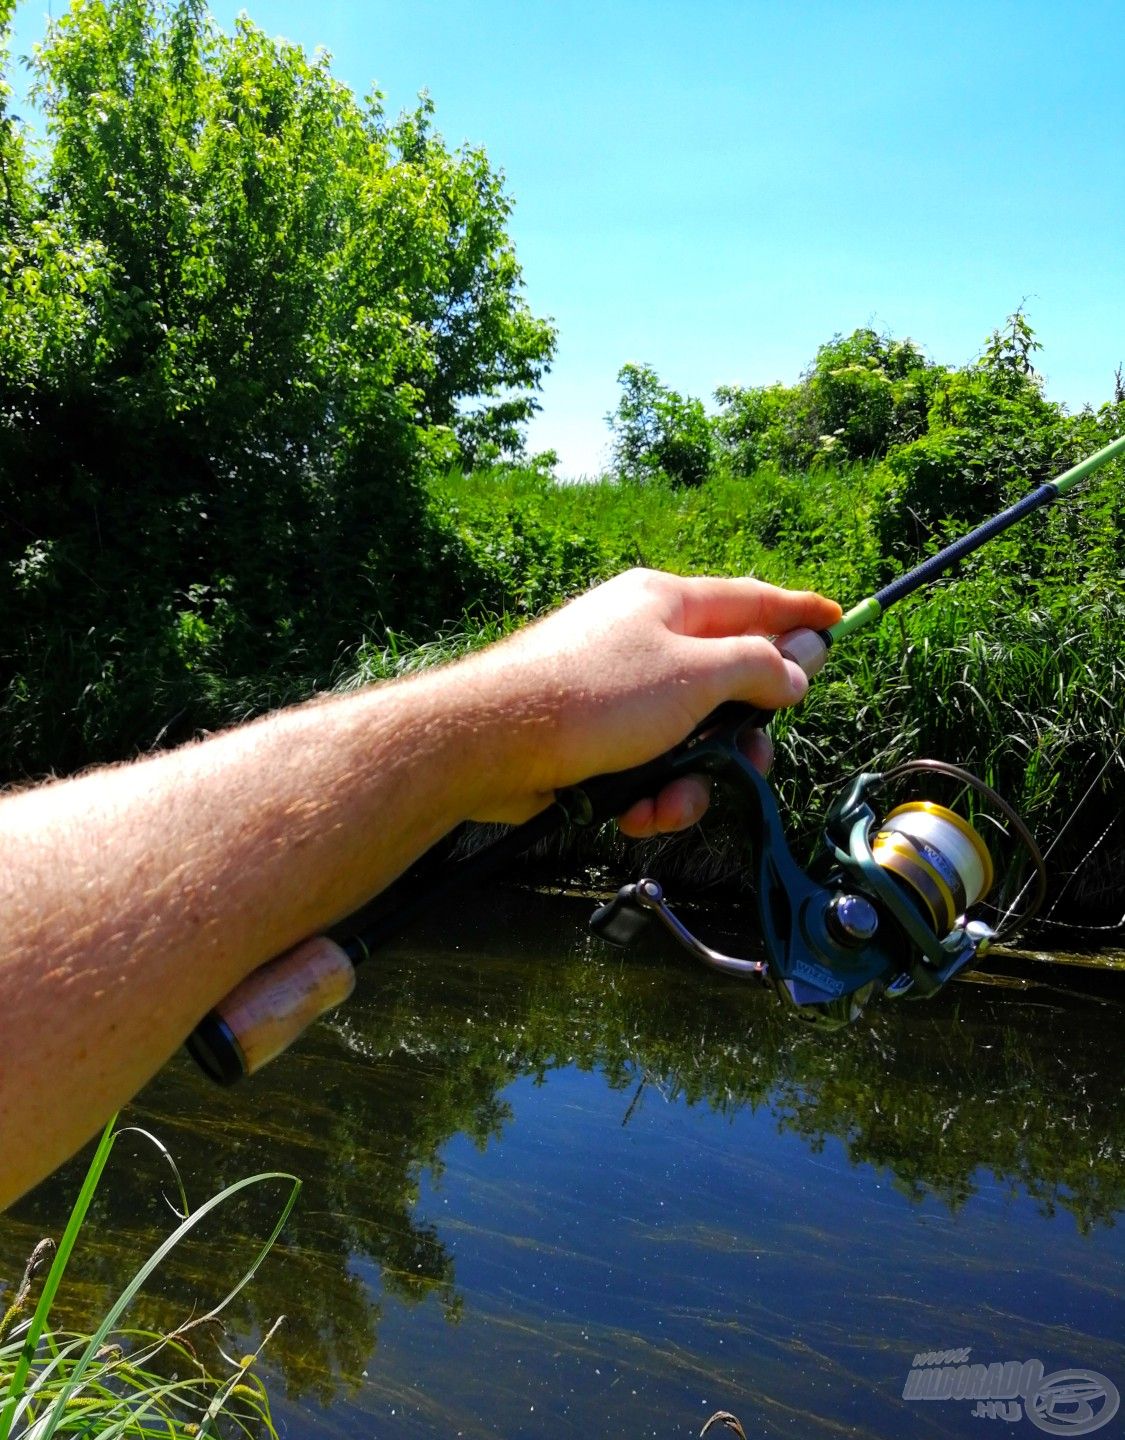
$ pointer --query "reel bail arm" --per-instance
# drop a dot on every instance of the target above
(631, 909)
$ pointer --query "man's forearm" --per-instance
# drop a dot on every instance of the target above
(135, 898)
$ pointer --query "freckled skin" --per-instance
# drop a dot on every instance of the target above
(135, 897)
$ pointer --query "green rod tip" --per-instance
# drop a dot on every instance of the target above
(859, 615)
(1101, 457)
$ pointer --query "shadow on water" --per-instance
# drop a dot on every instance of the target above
(1010, 1089)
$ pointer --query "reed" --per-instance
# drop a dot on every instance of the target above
(118, 1380)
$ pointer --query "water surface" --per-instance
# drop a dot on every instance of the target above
(554, 1191)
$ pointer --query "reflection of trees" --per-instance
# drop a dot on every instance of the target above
(979, 1085)
(982, 1077)
(358, 1132)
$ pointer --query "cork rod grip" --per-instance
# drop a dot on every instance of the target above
(266, 1012)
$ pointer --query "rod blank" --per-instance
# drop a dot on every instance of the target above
(875, 605)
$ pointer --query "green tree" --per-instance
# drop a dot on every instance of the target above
(241, 314)
(659, 432)
(486, 353)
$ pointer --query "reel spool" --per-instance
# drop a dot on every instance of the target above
(885, 907)
(938, 857)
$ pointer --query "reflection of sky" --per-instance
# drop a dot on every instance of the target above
(631, 1279)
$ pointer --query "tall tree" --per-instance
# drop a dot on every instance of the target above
(240, 313)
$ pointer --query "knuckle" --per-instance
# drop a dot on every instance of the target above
(645, 578)
(764, 653)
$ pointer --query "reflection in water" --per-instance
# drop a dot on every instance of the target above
(675, 1205)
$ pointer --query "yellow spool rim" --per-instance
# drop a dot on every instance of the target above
(930, 807)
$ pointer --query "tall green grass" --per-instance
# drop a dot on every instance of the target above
(1013, 666)
(117, 1380)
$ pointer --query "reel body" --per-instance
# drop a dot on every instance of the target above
(882, 908)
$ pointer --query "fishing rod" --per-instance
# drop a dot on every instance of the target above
(882, 908)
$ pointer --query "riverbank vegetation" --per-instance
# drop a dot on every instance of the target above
(1014, 666)
(264, 362)
(116, 1378)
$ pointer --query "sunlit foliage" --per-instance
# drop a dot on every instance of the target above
(242, 313)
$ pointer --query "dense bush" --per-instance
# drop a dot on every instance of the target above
(861, 394)
(989, 436)
(952, 444)
(241, 315)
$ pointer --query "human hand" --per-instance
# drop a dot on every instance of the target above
(624, 673)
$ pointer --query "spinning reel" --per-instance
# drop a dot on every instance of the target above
(884, 906)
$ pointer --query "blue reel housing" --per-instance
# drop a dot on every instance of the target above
(833, 935)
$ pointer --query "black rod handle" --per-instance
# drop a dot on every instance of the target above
(603, 796)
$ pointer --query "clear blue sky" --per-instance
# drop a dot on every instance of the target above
(717, 186)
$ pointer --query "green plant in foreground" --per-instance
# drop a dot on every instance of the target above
(122, 1381)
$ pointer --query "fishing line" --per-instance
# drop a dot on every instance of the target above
(1065, 827)
(1070, 925)
(1114, 929)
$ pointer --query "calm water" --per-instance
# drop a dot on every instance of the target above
(551, 1191)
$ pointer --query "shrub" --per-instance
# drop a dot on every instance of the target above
(242, 315)
(862, 393)
(657, 432)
